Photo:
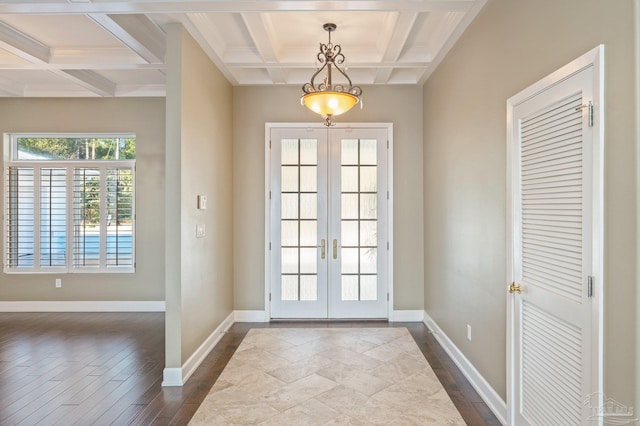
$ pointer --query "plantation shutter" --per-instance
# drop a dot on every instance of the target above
(41, 203)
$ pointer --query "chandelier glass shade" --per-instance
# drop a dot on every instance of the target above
(326, 97)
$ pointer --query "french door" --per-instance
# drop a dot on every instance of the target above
(328, 208)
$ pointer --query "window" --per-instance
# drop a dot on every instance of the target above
(70, 203)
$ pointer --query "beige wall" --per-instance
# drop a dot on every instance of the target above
(145, 118)
(253, 107)
(511, 45)
(199, 158)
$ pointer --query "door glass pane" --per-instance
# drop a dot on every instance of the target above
(359, 226)
(289, 235)
(368, 233)
(309, 179)
(368, 179)
(308, 261)
(349, 233)
(298, 219)
(368, 287)
(289, 261)
(349, 287)
(349, 260)
(368, 260)
(349, 179)
(349, 206)
(309, 151)
(349, 151)
(289, 206)
(289, 153)
(368, 151)
(308, 233)
(289, 179)
(368, 206)
(308, 206)
(308, 287)
(289, 287)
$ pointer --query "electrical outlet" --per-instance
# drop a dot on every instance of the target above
(58, 283)
(468, 332)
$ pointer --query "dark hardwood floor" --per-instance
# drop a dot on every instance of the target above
(103, 369)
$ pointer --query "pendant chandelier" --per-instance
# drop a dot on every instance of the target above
(326, 97)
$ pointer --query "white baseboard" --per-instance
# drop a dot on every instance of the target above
(179, 376)
(83, 306)
(406, 316)
(484, 389)
(251, 316)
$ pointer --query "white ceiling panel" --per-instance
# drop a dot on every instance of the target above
(117, 47)
(61, 30)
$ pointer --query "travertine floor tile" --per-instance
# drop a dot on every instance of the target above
(328, 376)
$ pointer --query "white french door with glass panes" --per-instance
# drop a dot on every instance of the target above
(328, 222)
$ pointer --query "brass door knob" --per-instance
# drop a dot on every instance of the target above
(515, 288)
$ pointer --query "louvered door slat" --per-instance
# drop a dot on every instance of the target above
(564, 105)
(556, 126)
(536, 263)
(564, 131)
(553, 261)
(550, 341)
(563, 146)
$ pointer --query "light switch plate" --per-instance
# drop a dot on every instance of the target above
(202, 202)
(200, 230)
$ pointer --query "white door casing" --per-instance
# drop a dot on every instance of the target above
(307, 280)
(555, 231)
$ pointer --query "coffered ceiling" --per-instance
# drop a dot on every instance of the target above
(117, 48)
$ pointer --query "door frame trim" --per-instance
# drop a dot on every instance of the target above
(593, 59)
(267, 187)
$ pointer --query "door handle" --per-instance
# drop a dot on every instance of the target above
(323, 248)
(335, 248)
(515, 288)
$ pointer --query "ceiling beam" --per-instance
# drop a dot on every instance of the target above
(190, 6)
(37, 53)
(401, 31)
(23, 46)
(80, 66)
(92, 81)
(137, 32)
(263, 41)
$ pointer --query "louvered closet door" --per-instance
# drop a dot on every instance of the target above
(552, 255)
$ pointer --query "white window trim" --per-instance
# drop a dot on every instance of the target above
(102, 165)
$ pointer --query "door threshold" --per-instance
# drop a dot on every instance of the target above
(328, 320)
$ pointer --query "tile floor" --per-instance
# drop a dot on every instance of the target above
(331, 376)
